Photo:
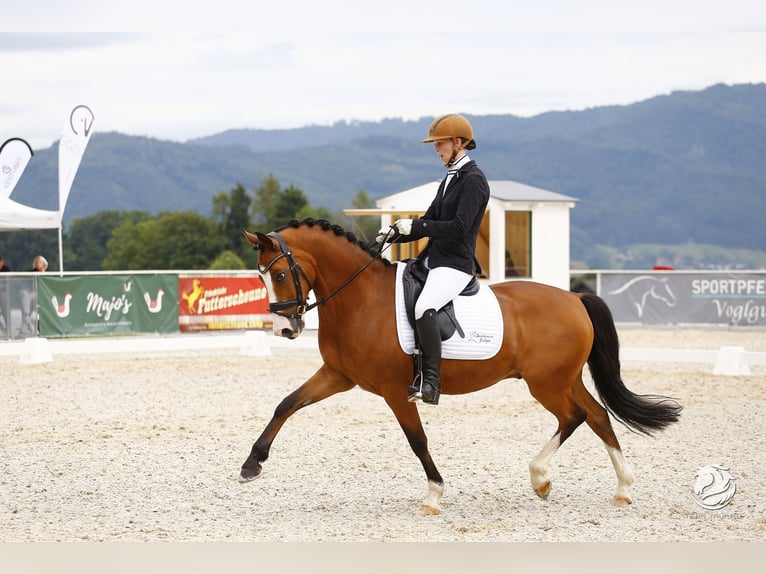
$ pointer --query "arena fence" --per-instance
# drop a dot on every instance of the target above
(82, 308)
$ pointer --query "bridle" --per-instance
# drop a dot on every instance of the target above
(300, 304)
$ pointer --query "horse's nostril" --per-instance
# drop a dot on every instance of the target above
(288, 333)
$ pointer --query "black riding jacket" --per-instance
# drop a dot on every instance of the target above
(452, 221)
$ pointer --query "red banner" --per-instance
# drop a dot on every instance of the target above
(222, 303)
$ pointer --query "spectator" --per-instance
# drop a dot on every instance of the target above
(28, 299)
(5, 301)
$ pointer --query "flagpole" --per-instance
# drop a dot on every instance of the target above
(61, 250)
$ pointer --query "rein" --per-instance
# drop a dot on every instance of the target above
(300, 304)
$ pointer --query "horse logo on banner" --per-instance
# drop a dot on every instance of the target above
(642, 288)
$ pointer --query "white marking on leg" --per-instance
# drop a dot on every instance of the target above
(431, 503)
(538, 468)
(625, 477)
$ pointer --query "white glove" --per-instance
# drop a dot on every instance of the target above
(403, 226)
(383, 234)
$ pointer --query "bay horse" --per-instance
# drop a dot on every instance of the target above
(548, 336)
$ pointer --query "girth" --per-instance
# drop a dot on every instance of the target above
(413, 279)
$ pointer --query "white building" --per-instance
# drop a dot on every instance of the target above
(525, 232)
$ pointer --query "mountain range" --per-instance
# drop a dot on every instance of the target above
(686, 167)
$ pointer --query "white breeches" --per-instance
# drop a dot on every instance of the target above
(442, 285)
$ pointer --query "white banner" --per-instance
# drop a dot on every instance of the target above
(15, 154)
(74, 140)
(679, 297)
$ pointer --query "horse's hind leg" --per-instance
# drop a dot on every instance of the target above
(322, 384)
(598, 420)
(569, 416)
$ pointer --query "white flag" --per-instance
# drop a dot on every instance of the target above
(74, 140)
(15, 154)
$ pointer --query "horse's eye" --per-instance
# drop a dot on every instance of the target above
(280, 276)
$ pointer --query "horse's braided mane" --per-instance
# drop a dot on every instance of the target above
(372, 250)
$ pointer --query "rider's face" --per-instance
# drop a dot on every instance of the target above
(444, 148)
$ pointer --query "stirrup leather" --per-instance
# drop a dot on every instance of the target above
(415, 390)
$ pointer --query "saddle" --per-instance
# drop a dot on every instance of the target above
(413, 279)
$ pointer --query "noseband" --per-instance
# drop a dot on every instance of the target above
(299, 304)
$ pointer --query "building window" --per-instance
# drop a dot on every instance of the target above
(518, 244)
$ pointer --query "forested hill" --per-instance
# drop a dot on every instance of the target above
(684, 167)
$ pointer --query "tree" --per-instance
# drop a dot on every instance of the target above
(88, 237)
(130, 240)
(289, 205)
(265, 204)
(231, 211)
(317, 213)
(366, 226)
(228, 260)
(172, 240)
(273, 208)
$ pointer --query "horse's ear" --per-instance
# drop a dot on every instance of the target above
(258, 240)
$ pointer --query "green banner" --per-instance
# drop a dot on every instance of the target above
(107, 304)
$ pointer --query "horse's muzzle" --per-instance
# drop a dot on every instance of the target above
(288, 328)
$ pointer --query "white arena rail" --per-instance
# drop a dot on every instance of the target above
(252, 343)
(724, 361)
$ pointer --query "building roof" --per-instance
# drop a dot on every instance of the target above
(507, 190)
(418, 198)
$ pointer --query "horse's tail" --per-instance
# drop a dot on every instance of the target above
(642, 413)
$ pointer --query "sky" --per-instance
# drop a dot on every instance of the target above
(178, 70)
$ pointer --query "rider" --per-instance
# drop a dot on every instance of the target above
(452, 224)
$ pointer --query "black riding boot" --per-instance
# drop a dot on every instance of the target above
(428, 387)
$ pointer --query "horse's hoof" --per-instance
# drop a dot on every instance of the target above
(544, 490)
(248, 474)
(621, 500)
(429, 510)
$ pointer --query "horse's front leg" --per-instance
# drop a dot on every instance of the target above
(409, 419)
(322, 384)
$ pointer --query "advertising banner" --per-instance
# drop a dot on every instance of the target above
(222, 303)
(74, 139)
(107, 305)
(673, 298)
(15, 154)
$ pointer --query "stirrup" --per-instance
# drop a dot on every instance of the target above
(415, 390)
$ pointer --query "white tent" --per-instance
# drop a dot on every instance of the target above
(15, 216)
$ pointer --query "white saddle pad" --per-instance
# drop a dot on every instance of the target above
(479, 315)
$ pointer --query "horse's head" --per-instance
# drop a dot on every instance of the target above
(286, 281)
(661, 290)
